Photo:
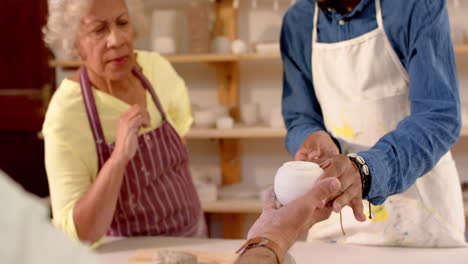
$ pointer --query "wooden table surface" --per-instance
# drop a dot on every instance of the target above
(118, 251)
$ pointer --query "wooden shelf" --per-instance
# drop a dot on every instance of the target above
(233, 206)
(64, 64)
(464, 131)
(237, 133)
(461, 49)
(212, 58)
(189, 58)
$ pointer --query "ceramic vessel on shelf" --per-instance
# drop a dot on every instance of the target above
(276, 118)
(204, 119)
(164, 45)
(239, 47)
(222, 45)
(225, 123)
(249, 114)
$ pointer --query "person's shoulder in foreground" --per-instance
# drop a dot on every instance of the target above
(28, 236)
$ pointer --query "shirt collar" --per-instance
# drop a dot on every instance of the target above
(356, 10)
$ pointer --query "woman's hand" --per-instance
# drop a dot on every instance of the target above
(318, 145)
(342, 168)
(286, 224)
(129, 125)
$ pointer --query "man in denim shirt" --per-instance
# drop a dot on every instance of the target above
(376, 79)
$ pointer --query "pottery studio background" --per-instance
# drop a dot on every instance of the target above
(183, 27)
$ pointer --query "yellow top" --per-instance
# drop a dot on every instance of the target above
(70, 152)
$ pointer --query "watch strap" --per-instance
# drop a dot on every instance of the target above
(262, 242)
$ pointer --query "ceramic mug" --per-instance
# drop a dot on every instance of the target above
(204, 118)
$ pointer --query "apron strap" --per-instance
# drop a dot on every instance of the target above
(315, 30)
(378, 14)
(149, 87)
(93, 117)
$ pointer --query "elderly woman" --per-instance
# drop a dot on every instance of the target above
(115, 159)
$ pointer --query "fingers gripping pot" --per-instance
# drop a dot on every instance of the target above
(294, 179)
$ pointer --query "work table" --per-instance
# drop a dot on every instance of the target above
(118, 250)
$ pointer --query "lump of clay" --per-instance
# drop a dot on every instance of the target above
(295, 179)
(174, 257)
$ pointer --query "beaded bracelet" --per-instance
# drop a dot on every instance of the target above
(366, 178)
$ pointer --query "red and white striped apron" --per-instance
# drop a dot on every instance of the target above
(157, 196)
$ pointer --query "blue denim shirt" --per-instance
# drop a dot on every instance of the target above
(419, 33)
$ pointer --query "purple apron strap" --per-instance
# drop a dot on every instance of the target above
(93, 118)
(149, 87)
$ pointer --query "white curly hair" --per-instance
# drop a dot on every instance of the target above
(61, 31)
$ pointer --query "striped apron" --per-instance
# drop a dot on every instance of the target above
(157, 196)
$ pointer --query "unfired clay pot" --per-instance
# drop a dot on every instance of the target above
(294, 179)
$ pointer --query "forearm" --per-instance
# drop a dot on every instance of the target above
(298, 134)
(407, 153)
(259, 255)
(94, 211)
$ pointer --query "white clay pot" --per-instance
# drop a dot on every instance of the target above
(164, 45)
(249, 114)
(225, 123)
(239, 47)
(294, 179)
(204, 119)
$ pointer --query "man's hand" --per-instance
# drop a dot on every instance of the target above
(318, 145)
(342, 168)
(286, 224)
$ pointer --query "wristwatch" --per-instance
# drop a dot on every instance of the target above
(366, 178)
(262, 242)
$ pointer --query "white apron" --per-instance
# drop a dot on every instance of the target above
(363, 91)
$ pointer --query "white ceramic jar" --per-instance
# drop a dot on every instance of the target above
(204, 119)
(222, 45)
(294, 179)
(249, 114)
(164, 45)
(225, 123)
(239, 47)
